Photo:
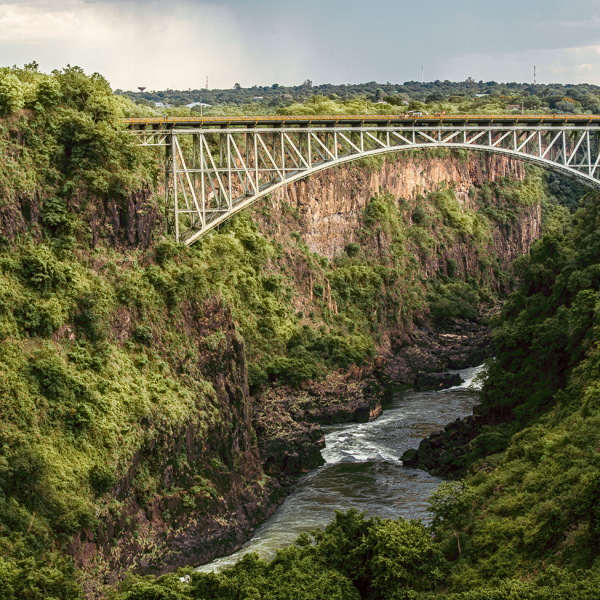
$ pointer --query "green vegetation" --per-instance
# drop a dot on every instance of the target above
(99, 357)
(466, 96)
(352, 558)
(372, 559)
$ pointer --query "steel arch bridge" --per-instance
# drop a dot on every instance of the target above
(217, 166)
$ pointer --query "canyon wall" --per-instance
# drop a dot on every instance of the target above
(193, 493)
(330, 203)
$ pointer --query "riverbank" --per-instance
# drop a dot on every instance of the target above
(289, 421)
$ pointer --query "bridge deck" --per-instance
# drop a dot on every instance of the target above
(162, 123)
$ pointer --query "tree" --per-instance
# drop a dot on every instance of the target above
(237, 86)
(401, 558)
(383, 558)
(452, 507)
(11, 94)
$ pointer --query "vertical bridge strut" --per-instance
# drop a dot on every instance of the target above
(213, 172)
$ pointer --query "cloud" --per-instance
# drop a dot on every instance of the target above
(177, 43)
(159, 45)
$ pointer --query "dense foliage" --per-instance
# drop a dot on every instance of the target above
(463, 96)
(357, 558)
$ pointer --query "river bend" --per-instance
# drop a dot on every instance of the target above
(363, 469)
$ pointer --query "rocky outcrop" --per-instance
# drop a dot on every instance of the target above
(421, 352)
(123, 222)
(287, 447)
(445, 453)
(287, 421)
(131, 222)
(437, 381)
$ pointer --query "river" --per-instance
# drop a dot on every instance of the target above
(363, 470)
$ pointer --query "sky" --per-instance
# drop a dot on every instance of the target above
(178, 43)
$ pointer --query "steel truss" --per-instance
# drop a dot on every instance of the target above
(211, 174)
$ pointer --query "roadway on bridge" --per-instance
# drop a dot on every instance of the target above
(162, 123)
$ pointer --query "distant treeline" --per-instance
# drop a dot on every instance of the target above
(563, 98)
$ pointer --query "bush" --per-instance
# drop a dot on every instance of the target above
(352, 249)
(450, 301)
(418, 215)
(36, 580)
(257, 376)
(40, 318)
(166, 250)
(293, 573)
(344, 351)
(403, 558)
(142, 334)
(292, 371)
(102, 478)
(42, 270)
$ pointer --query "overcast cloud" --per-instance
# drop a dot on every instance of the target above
(178, 43)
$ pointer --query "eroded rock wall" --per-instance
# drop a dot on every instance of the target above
(128, 222)
(329, 204)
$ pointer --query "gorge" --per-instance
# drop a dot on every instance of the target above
(159, 402)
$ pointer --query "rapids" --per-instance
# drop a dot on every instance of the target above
(363, 469)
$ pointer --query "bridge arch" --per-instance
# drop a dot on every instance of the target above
(249, 201)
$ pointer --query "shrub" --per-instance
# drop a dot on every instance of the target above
(452, 507)
(42, 317)
(403, 558)
(143, 334)
(344, 351)
(102, 478)
(418, 215)
(383, 558)
(11, 94)
(292, 371)
(38, 580)
(452, 267)
(352, 249)
(257, 376)
(166, 250)
(42, 270)
(89, 318)
(456, 300)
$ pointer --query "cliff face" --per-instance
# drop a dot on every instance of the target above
(210, 490)
(125, 223)
(330, 203)
(326, 212)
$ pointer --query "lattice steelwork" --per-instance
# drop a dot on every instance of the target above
(213, 173)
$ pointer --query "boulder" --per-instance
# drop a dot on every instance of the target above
(436, 381)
